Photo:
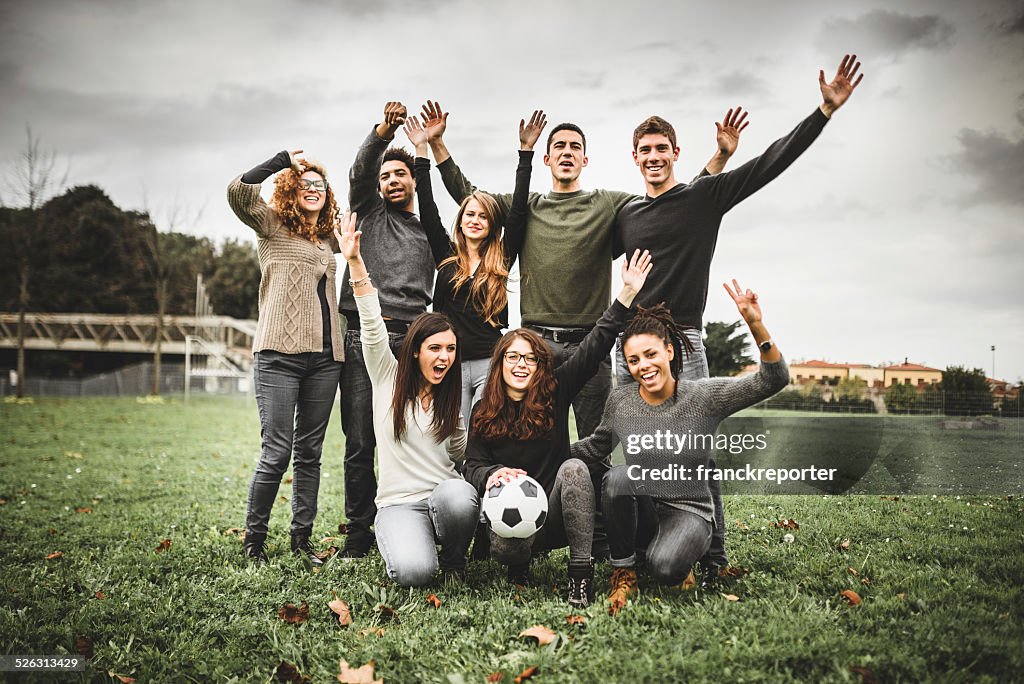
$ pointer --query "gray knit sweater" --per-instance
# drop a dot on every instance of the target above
(290, 317)
(696, 409)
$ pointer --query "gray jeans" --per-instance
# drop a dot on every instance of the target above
(695, 367)
(294, 395)
(474, 375)
(408, 534)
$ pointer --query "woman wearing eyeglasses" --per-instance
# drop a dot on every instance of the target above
(298, 349)
(521, 426)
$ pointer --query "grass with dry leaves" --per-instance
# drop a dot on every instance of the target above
(117, 535)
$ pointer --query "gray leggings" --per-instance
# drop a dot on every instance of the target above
(570, 520)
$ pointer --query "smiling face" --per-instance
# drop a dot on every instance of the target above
(396, 183)
(475, 222)
(566, 157)
(649, 361)
(312, 192)
(655, 156)
(436, 356)
(518, 375)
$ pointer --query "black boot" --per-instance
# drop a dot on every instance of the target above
(303, 548)
(252, 548)
(581, 583)
(519, 574)
(357, 543)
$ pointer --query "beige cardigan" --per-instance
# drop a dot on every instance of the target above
(290, 268)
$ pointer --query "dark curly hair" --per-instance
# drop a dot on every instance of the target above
(286, 204)
(657, 320)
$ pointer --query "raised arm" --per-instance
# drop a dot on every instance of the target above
(363, 177)
(518, 215)
(730, 395)
(244, 191)
(441, 246)
(577, 370)
(727, 138)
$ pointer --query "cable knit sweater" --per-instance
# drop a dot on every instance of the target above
(290, 267)
(696, 409)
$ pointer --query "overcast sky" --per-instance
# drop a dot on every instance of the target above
(898, 234)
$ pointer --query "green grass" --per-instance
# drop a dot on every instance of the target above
(943, 603)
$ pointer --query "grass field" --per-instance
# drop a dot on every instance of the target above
(105, 482)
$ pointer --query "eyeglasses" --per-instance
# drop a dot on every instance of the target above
(513, 358)
(310, 184)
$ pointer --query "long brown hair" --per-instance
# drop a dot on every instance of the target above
(447, 395)
(286, 204)
(496, 416)
(489, 294)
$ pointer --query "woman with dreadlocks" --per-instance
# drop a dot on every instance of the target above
(672, 518)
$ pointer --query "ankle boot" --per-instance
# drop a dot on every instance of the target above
(581, 583)
(252, 548)
(303, 548)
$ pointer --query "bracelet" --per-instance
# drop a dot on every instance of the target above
(362, 281)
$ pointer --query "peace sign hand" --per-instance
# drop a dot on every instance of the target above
(746, 302)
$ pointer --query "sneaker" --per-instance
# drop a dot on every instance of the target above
(253, 549)
(623, 585)
(581, 584)
(303, 548)
(357, 544)
(519, 574)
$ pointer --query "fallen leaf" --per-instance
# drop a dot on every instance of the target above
(690, 583)
(329, 552)
(73, 454)
(434, 601)
(83, 509)
(576, 620)
(853, 571)
(283, 498)
(292, 615)
(235, 532)
(901, 596)
(326, 540)
(288, 480)
(100, 595)
(52, 531)
(736, 571)
(730, 597)
(852, 597)
(286, 672)
(388, 613)
(124, 679)
(342, 528)
(542, 634)
(358, 675)
(789, 524)
(3, 502)
(83, 646)
(865, 581)
(342, 610)
(844, 545)
(163, 546)
(889, 498)
(866, 675)
(742, 525)
(55, 554)
(528, 673)
(377, 632)
(495, 676)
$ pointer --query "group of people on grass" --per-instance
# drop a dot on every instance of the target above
(451, 404)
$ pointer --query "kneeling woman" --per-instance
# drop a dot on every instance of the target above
(521, 425)
(421, 499)
(673, 520)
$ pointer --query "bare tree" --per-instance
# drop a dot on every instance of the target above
(36, 177)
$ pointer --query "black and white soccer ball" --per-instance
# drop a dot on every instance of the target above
(516, 509)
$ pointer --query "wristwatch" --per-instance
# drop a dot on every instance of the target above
(766, 346)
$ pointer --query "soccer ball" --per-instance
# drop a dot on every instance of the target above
(517, 509)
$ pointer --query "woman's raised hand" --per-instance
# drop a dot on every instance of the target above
(529, 133)
(348, 236)
(297, 163)
(746, 302)
(634, 272)
(416, 133)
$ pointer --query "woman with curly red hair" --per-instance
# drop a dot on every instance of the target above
(298, 348)
(521, 426)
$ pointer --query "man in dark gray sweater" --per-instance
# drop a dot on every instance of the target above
(679, 224)
(382, 193)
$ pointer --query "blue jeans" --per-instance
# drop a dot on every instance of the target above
(695, 367)
(474, 375)
(408, 534)
(674, 539)
(294, 395)
(360, 442)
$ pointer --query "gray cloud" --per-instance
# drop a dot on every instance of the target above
(996, 162)
(883, 33)
(740, 84)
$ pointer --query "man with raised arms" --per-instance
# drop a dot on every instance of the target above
(679, 224)
(394, 246)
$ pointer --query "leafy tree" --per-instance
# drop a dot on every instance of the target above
(725, 350)
(234, 284)
(851, 389)
(966, 391)
(900, 398)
